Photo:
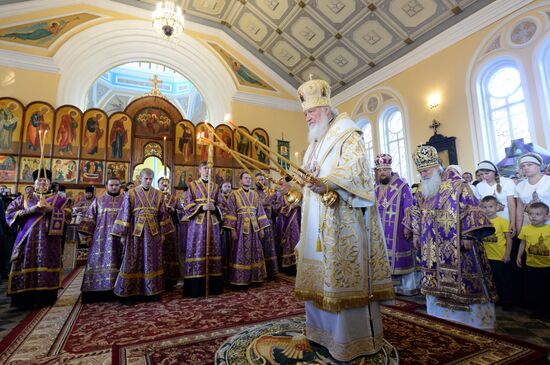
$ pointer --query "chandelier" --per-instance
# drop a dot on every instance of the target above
(168, 19)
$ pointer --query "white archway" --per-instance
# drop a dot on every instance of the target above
(98, 49)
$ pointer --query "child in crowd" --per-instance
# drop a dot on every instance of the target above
(535, 241)
(498, 248)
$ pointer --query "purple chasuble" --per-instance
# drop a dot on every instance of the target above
(170, 251)
(287, 229)
(195, 255)
(105, 254)
(454, 276)
(268, 242)
(36, 262)
(392, 201)
(143, 220)
(246, 215)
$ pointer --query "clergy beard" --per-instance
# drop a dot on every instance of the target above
(319, 129)
(113, 194)
(385, 180)
(430, 187)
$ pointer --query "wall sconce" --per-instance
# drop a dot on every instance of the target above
(434, 101)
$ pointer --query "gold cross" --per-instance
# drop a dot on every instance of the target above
(447, 222)
(156, 81)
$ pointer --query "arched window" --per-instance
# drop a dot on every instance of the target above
(366, 126)
(392, 137)
(545, 63)
(503, 107)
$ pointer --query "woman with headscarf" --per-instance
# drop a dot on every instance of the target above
(534, 188)
(502, 188)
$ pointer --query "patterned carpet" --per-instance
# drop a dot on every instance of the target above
(175, 330)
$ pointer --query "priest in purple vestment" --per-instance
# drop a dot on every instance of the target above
(36, 266)
(448, 226)
(393, 198)
(172, 272)
(105, 253)
(226, 241)
(268, 241)
(197, 204)
(182, 227)
(246, 218)
(287, 226)
(143, 219)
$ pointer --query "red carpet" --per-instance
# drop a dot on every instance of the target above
(189, 331)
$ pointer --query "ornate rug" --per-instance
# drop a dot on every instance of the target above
(178, 330)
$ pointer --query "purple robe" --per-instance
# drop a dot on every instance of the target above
(105, 253)
(36, 260)
(170, 250)
(143, 218)
(268, 242)
(454, 276)
(392, 201)
(195, 255)
(182, 228)
(80, 209)
(288, 229)
(226, 240)
(246, 215)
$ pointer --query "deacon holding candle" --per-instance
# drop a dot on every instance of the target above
(203, 257)
(36, 264)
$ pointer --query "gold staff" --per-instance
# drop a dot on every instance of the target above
(328, 198)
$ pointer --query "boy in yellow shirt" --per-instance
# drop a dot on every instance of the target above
(535, 242)
(498, 248)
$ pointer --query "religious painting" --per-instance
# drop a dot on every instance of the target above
(11, 121)
(75, 194)
(223, 174)
(283, 148)
(257, 153)
(64, 171)
(120, 133)
(8, 168)
(118, 169)
(68, 120)
(153, 122)
(45, 32)
(91, 172)
(185, 143)
(241, 141)
(221, 156)
(94, 134)
(30, 164)
(242, 73)
(183, 175)
(38, 121)
(202, 149)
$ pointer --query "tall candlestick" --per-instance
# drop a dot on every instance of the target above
(164, 156)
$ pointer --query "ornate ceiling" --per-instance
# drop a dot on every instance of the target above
(341, 41)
